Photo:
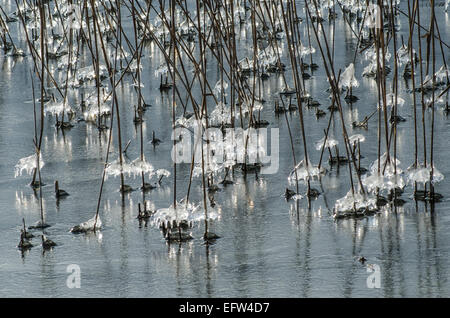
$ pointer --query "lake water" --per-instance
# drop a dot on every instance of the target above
(269, 247)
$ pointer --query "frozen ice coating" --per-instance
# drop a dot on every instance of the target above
(355, 138)
(404, 55)
(348, 78)
(442, 73)
(375, 182)
(142, 166)
(220, 87)
(387, 167)
(370, 70)
(306, 50)
(371, 55)
(422, 174)
(184, 212)
(92, 113)
(390, 100)
(87, 226)
(28, 164)
(355, 202)
(304, 172)
(162, 172)
(331, 142)
(57, 108)
(132, 169)
(220, 114)
(88, 73)
(162, 70)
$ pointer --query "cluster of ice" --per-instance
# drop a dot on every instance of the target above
(63, 62)
(390, 100)
(220, 114)
(305, 50)
(403, 55)
(355, 138)
(28, 164)
(353, 202)
(330, 143)
(162, 173)
(348, 78)
(387, 167)
(220, 88)
(92, 111)
(422, 174)
(304, 171)
(247, 106)
(388, 178)
(87, 226)
(162, 70)
(371, 56)
(91, 114)
(88, 73)
(370, 70)
(374, 182)
(56, 108)
(441, 74)
(134, 168)
(183, 212)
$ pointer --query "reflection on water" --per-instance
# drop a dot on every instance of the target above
(268, 247)
(29, 203)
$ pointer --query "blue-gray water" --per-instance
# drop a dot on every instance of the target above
(267, 247)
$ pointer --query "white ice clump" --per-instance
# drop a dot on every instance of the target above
(389, 178)
(375, 182)
(220, 114)
(390, 100)
(304, 172)
(329, 144)
(348, 78)
(57, 108)
(162, 173)
(87, 226)
(403, 55)
(370, 70)
(190, 213)
(387, 167)
(162, 70)
(28, 164)
(306, 50)
(220, 88)
(371, 55)
(355, 202)
(92, 113)
(88, 73)
(297, 197)
(441, 74)
(354, 138)
(134, 168)
(422, 174)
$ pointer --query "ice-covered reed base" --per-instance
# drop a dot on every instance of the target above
(27, 164)
(87, 226)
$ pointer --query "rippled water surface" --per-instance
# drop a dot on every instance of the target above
(268, 246)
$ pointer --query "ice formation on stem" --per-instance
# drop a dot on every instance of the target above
(28, 164)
